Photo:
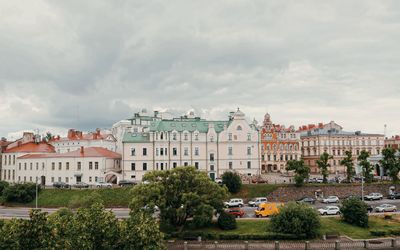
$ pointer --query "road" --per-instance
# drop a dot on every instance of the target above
(121, 213)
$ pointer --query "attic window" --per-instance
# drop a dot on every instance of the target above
(239, 128)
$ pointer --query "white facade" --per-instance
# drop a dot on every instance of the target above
(211, 146)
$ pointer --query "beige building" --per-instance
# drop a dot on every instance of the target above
(330, 138)
(211, 146)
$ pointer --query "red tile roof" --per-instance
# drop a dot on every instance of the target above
(31, 147)
(79, 135)
(80, 153)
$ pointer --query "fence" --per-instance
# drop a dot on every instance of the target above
(386, 243)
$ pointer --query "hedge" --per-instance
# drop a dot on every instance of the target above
(234, 236)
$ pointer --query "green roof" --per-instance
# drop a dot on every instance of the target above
(190, 125)
(136, 137)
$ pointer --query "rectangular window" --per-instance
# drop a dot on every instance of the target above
(230, 151)
(174, 151)
(174, 164)
(174, 136)
(211, 167)
(161, 166)
(96, 165)
(249, 164)
(144, 151)
(133, 167)
(66, 179)
(59, 179)
(211, 157)
(30, 166)
(90, 178)
(186, 137)
(165, 151)
(79, 166)
(25, 166)
(230, 137)
(59, 166)
(30, 178)
(196, 151)
(230, 165)
(19, 166)
(52, 179)
(53, 166)
(185, 164)
(196, 164)
(248, 150)
(96, 178)
(133, 151)
(196, 137)
(249, 137)
(90, 165)
(37, 165)
(161, 151)
(133, 176)
(157, 151)
(144, 166)
(186, 151)
(67, 166)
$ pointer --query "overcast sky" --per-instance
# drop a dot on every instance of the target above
(88, 64)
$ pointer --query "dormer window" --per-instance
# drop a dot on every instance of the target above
(185, 136)
(239, 128)
(174, 136)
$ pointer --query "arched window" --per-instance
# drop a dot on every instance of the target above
(239, 128)
(162, 136)
(268, 147)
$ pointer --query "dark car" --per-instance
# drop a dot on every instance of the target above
(60, 184)
(306, 200)
(394, 196)
(237, 212)
(126, 183)
(370, 209)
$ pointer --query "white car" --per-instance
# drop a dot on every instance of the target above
(257, 201)
(235, 202)
(331, 199)
(102, 184)
(386, 208)
(329, 210)
(373, 196)
(218, 181)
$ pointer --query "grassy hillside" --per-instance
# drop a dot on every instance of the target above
(250, 191)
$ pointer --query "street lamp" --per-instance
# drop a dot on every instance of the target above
(36, 192)
(362, 184)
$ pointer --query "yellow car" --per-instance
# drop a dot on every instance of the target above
(268, 209)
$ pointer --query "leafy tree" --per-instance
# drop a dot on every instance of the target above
(390, 163)
(178, 193)
(302, 171)
(226, 221)
(23, 193)
(298, 219)
(348, 163)
(323, 165)
(95, 228)
(232, 181)
(354, 212)
(365, 165)
(9, 234)
(141, 231)
(203, 216)
(63, 227)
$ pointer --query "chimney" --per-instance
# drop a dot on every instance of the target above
(71, 133)
(82, 150)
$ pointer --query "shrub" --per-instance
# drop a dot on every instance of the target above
(355, 212)
(3, 185)
(22, 193)
(226, 221)
(394, 232)
(232, 181)
(378, 233)
(297, 219)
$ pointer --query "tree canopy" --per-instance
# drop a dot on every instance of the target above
(391, 163)
(349, 164)
(232, 181)
(301, 171)
(323, 165)
(365, 165)
(179, 193)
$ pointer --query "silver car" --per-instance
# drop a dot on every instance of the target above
(331, 199)
(257, 201)
(386, 208)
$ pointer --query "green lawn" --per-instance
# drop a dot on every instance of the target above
(116, 197)
(328, 225)
(250, 191)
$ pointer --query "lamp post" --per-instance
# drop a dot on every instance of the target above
(36, 192)
(362, 184)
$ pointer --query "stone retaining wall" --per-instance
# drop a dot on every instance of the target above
(291, 193)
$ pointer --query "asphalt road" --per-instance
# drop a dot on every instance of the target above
(23, 212)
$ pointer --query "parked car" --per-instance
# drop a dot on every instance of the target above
(259, 181)
(81, 185)
(331, 199)
(358, 197)
(60, 184)
(257, 201)
(394, 196)
(373, 196)
(370, 209)
(268, 209)
(102, 184)
(234, 203)
(386, 208)
(218, 181)
(309, 200)
(329, 210)
(237, 212)
(124, 183)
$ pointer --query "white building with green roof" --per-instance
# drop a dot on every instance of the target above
(211, 146)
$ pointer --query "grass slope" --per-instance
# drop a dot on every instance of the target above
(330, 224)
(116, 197)
(250, 191)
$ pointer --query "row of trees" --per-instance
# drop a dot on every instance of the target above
(88, 228)
(390, 164)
